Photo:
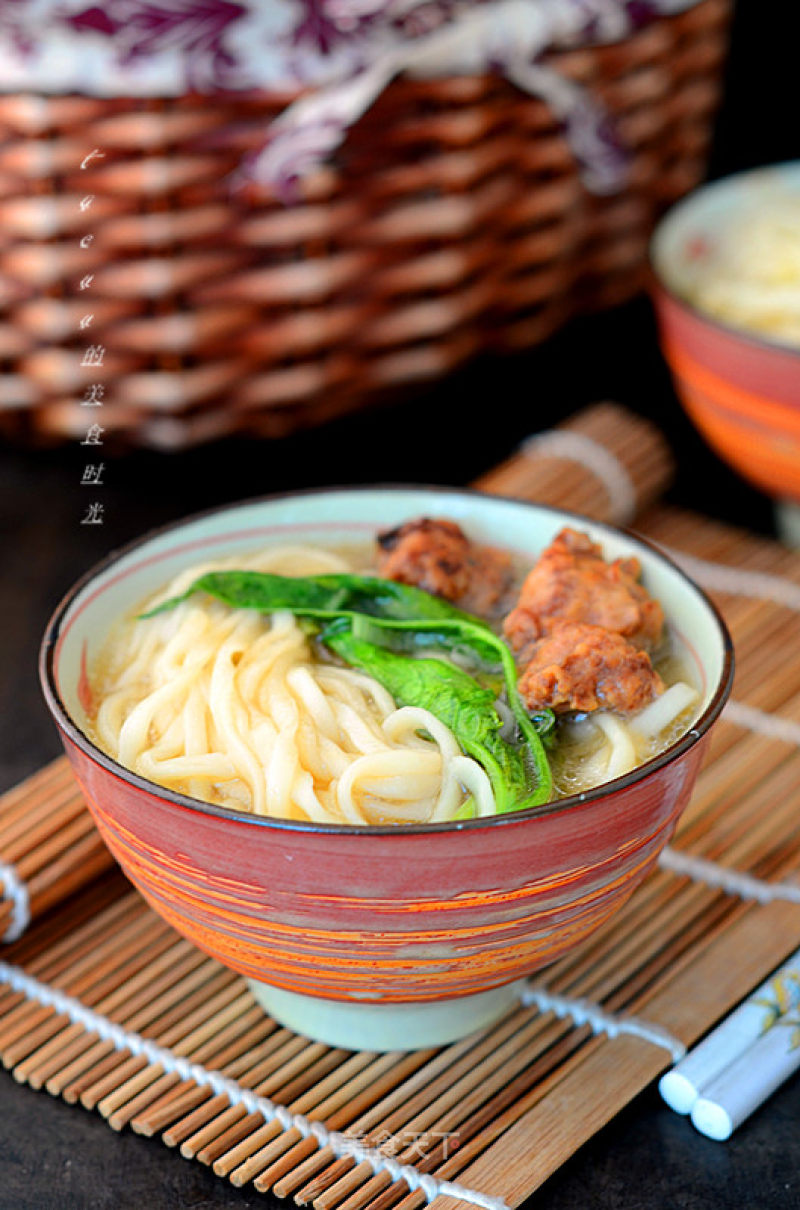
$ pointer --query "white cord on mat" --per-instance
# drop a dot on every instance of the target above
(586, 1012)
(770, 725)
(733, 882)
(340, 1144)
(719, 577)
(15, 889)
(577, 447)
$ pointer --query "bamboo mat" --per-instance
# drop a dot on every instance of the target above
(493, 1114)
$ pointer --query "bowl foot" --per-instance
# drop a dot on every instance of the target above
(391, 1026)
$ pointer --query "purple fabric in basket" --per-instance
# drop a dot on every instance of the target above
(340, 53)
(193, 29)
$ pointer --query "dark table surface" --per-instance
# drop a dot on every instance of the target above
(647, 1158)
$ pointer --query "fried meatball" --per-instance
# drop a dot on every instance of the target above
(572, 582)
(438, 556)
(579, 666)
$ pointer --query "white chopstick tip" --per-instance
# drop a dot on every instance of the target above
(679, 1093)
(740, 1063)
(712, 1120)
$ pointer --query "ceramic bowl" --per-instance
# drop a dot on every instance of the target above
(741, 391)
(378, 937)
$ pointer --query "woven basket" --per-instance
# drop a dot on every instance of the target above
(452, 221)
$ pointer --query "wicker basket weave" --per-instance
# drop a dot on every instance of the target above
(453, 221)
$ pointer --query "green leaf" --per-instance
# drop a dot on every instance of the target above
(466, 810)
(399, 619)
(458, 701)
(318, 596)
(471, 635)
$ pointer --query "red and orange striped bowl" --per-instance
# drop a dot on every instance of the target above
(742, 391)
(378, 937)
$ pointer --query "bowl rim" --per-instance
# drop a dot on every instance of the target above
(673, 752)
(684, 206)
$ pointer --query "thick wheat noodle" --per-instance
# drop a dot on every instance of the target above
(231, 707)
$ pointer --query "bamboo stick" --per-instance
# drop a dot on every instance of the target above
(101, 1058)
(229, 1039)
(47, 783)
(74, 973)
(174, 1099)
(323, 1100)
(290, 1047)
(46, 831)
(32, 819)
(384, 1079)
(168, 1107)
(210, 1018)
(204, 1144)
(94, 1090)
(45, 950)
(210, 1119)
(389, 1113)
(552, 1040)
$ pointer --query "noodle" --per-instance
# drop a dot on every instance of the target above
(663, 711)
(622, 754)
(235, 708)
(600, 746)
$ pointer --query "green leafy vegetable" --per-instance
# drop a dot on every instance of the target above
(318, 596)
(379, 622)
(466, 810)
(458, 701)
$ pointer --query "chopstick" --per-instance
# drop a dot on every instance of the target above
(741, 1062)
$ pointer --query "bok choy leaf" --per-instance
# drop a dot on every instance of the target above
(380, 626)
(458, 701)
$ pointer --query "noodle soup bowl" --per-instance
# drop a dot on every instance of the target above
(394, 936)
(740, 388)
